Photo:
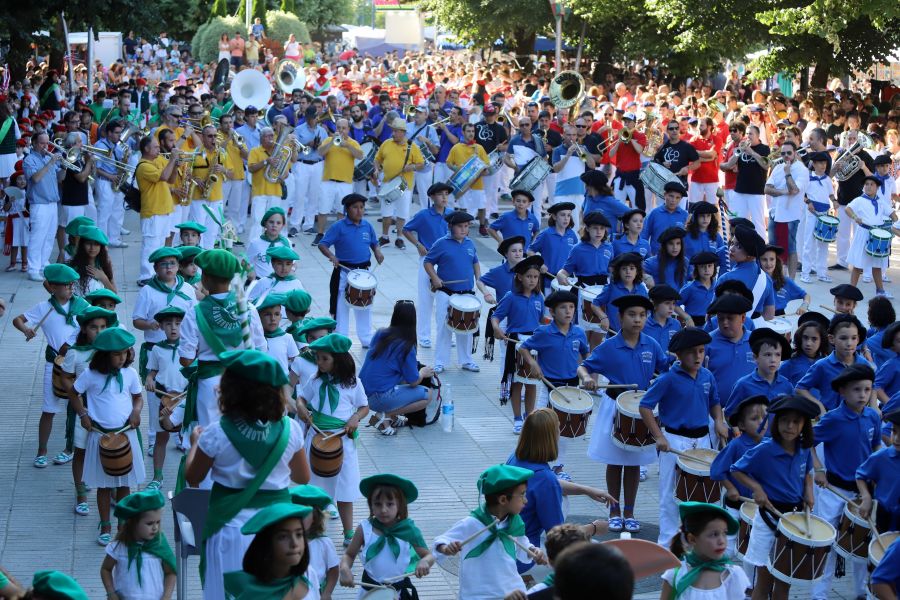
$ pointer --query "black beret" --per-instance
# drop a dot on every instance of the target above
(688, 337)
(560, 206)
(628, 214)
(671, 233)
(662, 292)
(740, 221)
(845, 290)
(818, 157)
(531, 262)
(749, 401)
(730, 304)
(892, 417)
(626, 258)
(525, 193)
(353, 199)
(846, 318)
(887, 340)
(873, 179)
(704, 258)
(704, 208)
(559, 297)
(853, 373)
(505, 245)
(596, 218)
(675, 186)
(770, 335)
(750, 241)
(734, 286)
(786, 402)
(629, 300)
(815, 317)
(458, 217)
(882, 159)
(595, 179)
(778, 250)
(438, 187)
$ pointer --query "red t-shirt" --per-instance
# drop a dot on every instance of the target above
(627, 158)
(708, 172)
(606, 159)
(721, 133)
(730, 176)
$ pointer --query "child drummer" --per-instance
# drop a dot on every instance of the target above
(868, 213)
(883, 470)
(819, 197)
(687, 397)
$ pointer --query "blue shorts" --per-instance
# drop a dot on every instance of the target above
(784, 235)
(397, 398)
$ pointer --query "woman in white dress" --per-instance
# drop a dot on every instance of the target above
(224, 48)
(292, 48)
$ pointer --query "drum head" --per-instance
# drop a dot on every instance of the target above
(875, 551)
(380, 594)
(571, 400)
(555, 285)
(590, 292)
(692, 466)
(748, 511)
(881, 234)
(629, 403)
(828, 219)
(362, 280)
(465, 302)
(820, 531)
(367, 148)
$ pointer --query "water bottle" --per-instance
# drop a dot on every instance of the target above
(446, 409)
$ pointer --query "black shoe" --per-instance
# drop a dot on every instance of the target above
(495, 216)
(143, 282)
(318, 239)
(399, 243)
(292, 232)
(383, 241)
(238, 243)
(837, 267)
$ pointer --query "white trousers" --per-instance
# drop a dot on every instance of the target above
(363, 316)
(814, 254)
(425, 305)
(752, 207)
(110, 211)
(442, 343)
(233, 196)
(399, 208)
(179, 215)
(199, 215)
(669, 522)
(845, 232)
(154, 231)
(258, 207)
(331, 194)
(423, 181)
(702, 191)
(830, 506)
(42, 237)
(305, 199)
(491, 192)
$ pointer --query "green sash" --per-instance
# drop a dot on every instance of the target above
(405, 530)
(219, 323)
(4, 129)
(170, 292)
(329, 423)
(76, 305)
(205, 370)
(252, 440)
(158, 546)
(515, 528)
(244, 586)
(698, 564)
(143, 355)
(226, 503)
(50, 90)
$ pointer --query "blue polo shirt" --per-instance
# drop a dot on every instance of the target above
(695, 245)
(662, 333)
(729, 361)
(620, 363)
(658, 220)
(684, 401)
(586, 260)
(747, 273)
(753, 384)
(611, 291)
(611, 208)
(873, 343)
(849, 438)
(454, 260)
(883, 468)
(429, 226)
(821, 374)
(651, 268)
(790, 291)
(720, 470)
(500, 278)
(795, 368)
(696, 298)
(553, 247)
(621, 245)
(781, 475)
(392, 367)
(510, 225)
(887, 377)
(351, 241)
(543, 506)
(522, 313)
(888, 570)
(558, 353)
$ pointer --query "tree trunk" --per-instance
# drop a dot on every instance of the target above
(19, 54)
(524, 47)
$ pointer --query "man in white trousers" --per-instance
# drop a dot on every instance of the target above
(155, 173)
(44, 173)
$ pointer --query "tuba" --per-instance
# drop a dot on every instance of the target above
(567, 91)
(654, 135)
(289, 75)
(284, 152)
(848, 163)
(250, 88)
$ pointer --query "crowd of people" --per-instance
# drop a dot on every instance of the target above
(677, 219)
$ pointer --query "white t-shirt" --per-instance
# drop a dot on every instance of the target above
(151, 301)
(194, 346)
(110, 407)
(168, 368)
(125, 578)
(734, 584)
(283, 349)
(789, 207)
(55, 328)
(352, 398)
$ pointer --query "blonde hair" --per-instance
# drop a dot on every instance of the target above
(539, 440)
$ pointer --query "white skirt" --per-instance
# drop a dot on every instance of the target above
(96, 477)
(857, 256)
(225, 552)
(343, 487)
(8, 165)
(601, 448)
(19, 232)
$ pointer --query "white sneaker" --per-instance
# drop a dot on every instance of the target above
(867, 278)
(884, 293)
(826, 279)
(885, 278)
(805, 278)
(124, 231)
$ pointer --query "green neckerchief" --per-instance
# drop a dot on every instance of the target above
(279, 240)
(328, 391)
(548, 580)
(405, 530)
(515, 528)
(76, 305)
(117, 375)
(173, 346)
(221, 320)
(158, 546)
(240, 585)
(308, 355)
(278, 278)
(253, 441)
(70, 249)
(698, 564)
(275, 334)
(299, 338)
(170, 293)
(194, 280)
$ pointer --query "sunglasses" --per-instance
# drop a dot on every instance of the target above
(671, 128)
(787, 153)
(580, 126)
(733, 130)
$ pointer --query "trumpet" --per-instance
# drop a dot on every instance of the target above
(181, 157)
(68, 157)
(440, 121)
(410, 111)
(337, 141)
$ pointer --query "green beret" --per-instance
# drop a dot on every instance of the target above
(281, 252)
(317, 323)
(499, 478)
(94, 234)
(271, 300)
(139, 502)
(77, 223)
(95, 312)
(692, 508)
(164, 252)
(169, 312)
(297, 301)
(114, 339)
(275, 210)
(218, 263)
(60, 273)
(192, 225)
(254, 365)
(188, 252)
(272, 514)
(310, 495)
(103, 293)
(406, 486)
(333, 342)
(57, 586)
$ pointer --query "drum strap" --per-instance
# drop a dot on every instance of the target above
(783, 507)
(489, 336)
(758, 289)
(407, 590)
(335, 283)
(836, 481)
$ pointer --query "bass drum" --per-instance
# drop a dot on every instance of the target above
(655, 177)
(365, 166)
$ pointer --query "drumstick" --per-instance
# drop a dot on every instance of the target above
(373, 586)
(555, 389)
(689, 457)
(41, 322)
(808, 524)
(123, 430)
(828, 308)
(855, 502)
(523, 547)
(479, 532)
(612, 386)
(333, 434)
(805, 531)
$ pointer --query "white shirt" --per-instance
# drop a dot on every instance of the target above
(383, 565)
(283, 349)
(76, 361)
(304, 370)
(789, 207)
(125, 578)
(110, 407)
(151, 301)
(55, 328)
(352, 399)
(734, 584)
(168, 369)
(194, 346)
(322, 556)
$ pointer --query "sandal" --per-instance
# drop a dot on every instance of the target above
(616, 524)
(400, 421)
(63, 458)
(632, 525)
(384, 427)
(11, 267)
(348, 537)
(105, 537)
(82, 509)
(41, 462)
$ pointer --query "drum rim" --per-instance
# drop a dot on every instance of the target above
(624, 410)
(880, 233)
(476, 303)
(693, 464)
(357, 273)
(887, 538)
(582, 394)
(807, 541)
(750, 505)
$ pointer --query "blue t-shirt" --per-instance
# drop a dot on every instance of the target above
(429, 225)
(729, 361)
(553, 247)
(821, 374)
(883, 469)
(611, 291)
(621, 364)
(696, 298)
(887, 377)
(684, 402)
(509, 225)
(695, 245)
(662, 333)
(712, 324)
(392, 367)
(748, 273)
(849, 439)
(522, 313)
(795, 368)
(558, 353)
(611, 208)
(446, 144)
(753, 384)
(873, 343)
(454, 260)
(351, 241)
(500, 278)
(790, 291)
(720, 470)
(651, 268)
(543, 506)
(658, 221)
(586, 260)
(781, 475)
(621, 245)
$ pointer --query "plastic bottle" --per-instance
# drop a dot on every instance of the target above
(446, 410)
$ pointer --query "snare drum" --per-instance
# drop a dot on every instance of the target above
(655, 177)
(692, 480)
(798, 558)
(587, 295)
(555, 285)
(360, 289)
(365, 166)
(382, 593)
(826, 228)
(467, 174)
(573, 407)
(852, 534)
(495, 159)
(782, 326)
(875, 551)
(879, 243)
(629, 431)
(748, 513)
(392, 190)
(463, 313)
(523, 369)
(531, 176)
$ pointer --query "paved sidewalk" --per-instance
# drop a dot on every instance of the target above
(39, 530)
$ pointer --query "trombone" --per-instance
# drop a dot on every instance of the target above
(106, 155)
(68, 157)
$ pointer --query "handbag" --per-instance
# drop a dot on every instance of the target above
(432, 411)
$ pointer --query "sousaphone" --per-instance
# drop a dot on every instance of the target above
(220, 78)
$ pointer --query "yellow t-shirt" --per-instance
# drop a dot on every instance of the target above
(156, 199)
(391, 156)
(202, 165)
(461, 153)
(260, 185)
(234, 161)
(339, 161)
(177, 131)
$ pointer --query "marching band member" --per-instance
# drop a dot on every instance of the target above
(787, 186)
(397, 157)
(849, 188)
(678, 156)
(492, 136)
(555, 242)
(339, 151)
(570, 161)
(307, 171)
(154, 174)
(106, 175)
(668, 215)
(450, 133)
(747, 199)
(210, 169)
(867, 212)
(524, 147)
(705, 177)
(424, 134)
(264, 195)
(472, 200)
(233, 186)
(819, 199)
(628, 163)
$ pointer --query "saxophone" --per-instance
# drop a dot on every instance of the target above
(654, 136)
(187, 182)
(212, 178)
